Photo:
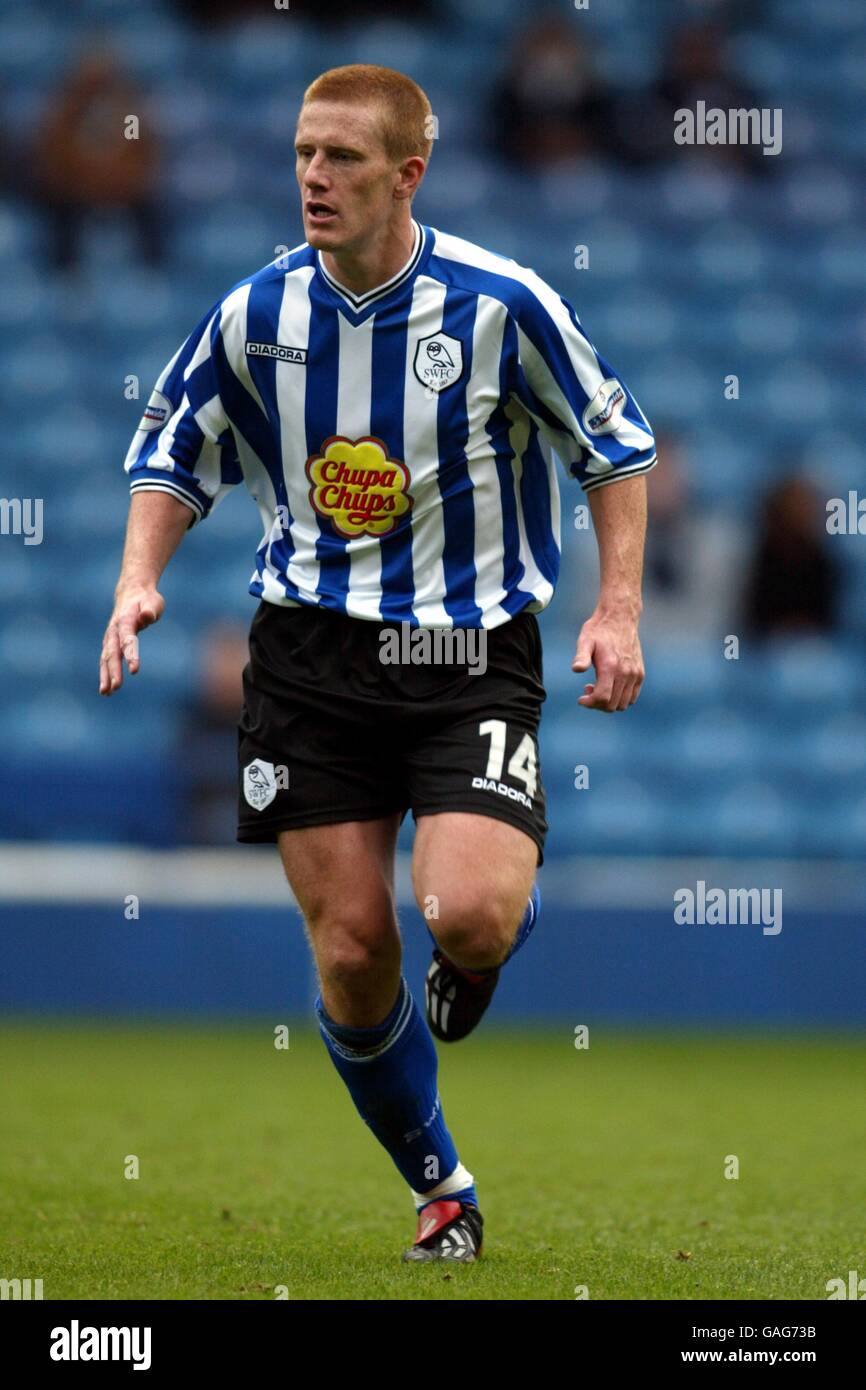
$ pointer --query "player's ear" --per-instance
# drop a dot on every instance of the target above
(409, 176)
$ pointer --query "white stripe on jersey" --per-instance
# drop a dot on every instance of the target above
(354, 393)
(420, 441)
(294, 327)
(489, 521)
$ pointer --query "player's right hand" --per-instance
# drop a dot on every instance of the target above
(134, 610)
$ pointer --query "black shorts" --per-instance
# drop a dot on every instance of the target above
(330, 732)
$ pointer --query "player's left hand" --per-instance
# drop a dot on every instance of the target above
(610, 643)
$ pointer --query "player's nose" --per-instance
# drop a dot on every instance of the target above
(314, 174)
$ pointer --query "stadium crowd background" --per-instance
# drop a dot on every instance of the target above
(555, 132)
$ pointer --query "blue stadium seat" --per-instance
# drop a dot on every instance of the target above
(615, 817)
(807, 675)
(688, 673)
(752, 820)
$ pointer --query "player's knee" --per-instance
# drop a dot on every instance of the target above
(350, 953)
(476, 932)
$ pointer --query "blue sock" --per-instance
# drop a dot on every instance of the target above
(391, 1073)
(530, 917)
(521, 936)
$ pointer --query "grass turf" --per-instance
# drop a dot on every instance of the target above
(602, 1168)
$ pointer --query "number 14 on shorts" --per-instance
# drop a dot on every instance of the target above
(522, 765)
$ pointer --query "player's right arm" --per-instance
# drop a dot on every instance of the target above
(156, 526)
(182, 460)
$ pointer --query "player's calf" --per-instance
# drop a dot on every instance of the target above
(457, 997)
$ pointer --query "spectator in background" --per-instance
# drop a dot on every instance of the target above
(208, 740)
(667, 561)
(793, 584)
(209, 12)
(325, 12)
(85, 160)
(11, 176)
(551, 107)
(695, 69)
(691, 551)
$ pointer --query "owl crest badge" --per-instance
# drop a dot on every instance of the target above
(438, 361)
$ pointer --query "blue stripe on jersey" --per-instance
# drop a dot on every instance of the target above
(390, 332)
(458, 505)
(543, 333)
(535, 500)
(525, 393)
(263, 320)
(174, 387)
(320, 422)
(199, 387)
(263, 317)
(230, 465)
(631, 410)
(498, 430)
(241, 408)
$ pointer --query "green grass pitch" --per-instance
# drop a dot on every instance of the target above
(602, 1168)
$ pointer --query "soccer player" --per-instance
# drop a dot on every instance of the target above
(390, 395)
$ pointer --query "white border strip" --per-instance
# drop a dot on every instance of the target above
(251, 876)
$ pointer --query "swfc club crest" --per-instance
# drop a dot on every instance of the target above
(438, 361)
(260, 784)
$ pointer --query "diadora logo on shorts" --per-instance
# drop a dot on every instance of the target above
(438, 361)
(487, 784)
(260, 784)
(358, 487)
(604, 412)
(156, 412)
(281, 351)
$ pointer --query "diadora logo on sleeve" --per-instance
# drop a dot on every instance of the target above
(156, 412)
(438, 361)
(281, 351)
(358, 487)
(604, 412)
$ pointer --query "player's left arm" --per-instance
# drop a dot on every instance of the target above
(596, 427)
(609, 639)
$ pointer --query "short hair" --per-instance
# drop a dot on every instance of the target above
(407, 116)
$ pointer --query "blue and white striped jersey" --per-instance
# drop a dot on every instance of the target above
(395, 441)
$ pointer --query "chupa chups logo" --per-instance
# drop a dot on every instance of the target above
(358, 487)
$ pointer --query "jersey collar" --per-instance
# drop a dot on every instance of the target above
(359, 302)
